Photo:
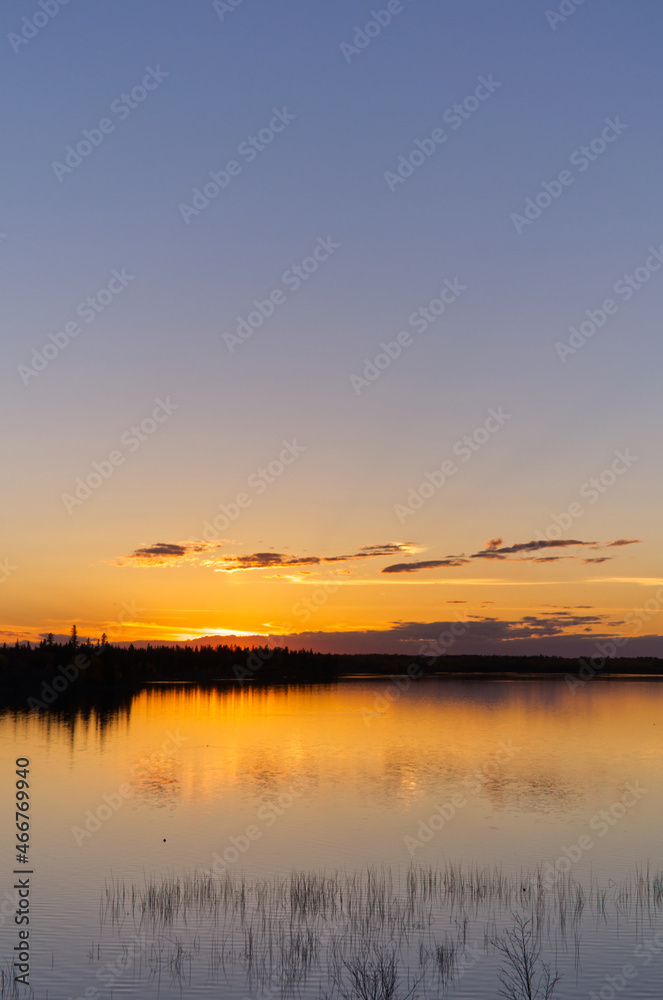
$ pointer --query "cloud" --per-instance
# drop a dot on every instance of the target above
(175, 553)
(166, 549)
(599, 559)
(560, 634)
(414, 567)
(166, 553)
(269, 560)
(485, 629)
(493, 551)
(522, 551)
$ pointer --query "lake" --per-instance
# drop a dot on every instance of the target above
(247, 841)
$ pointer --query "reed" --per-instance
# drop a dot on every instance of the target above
(368, 933)
(8, 985)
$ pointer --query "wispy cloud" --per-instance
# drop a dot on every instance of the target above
(205, 554)
(176, 553)
(521, 551)
(494, 549)
(414, 567)
(166, 553)
(270, 560)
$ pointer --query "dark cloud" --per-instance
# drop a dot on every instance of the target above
(172, 553)
(489, 629)
(163, 553)
(494, 552)
(391, 548)
(166, 549)
(548, 635)
(414, 567)
(262, 560)
(523, 551)
(599, 559)
(480, 638)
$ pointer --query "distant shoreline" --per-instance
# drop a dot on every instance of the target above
(58, 676)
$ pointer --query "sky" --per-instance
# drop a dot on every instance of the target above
(333, 323)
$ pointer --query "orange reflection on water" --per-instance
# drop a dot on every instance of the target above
(555, 747)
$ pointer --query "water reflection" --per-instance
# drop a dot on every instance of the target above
(335, 778)
(439, 737)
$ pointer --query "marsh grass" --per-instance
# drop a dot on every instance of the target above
(445, 958)
(375, 934)
(9, 988)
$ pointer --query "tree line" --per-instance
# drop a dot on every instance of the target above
(44, 672)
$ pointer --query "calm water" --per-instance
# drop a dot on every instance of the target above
(330, 780)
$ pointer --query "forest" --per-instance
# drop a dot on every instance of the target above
(37, 675)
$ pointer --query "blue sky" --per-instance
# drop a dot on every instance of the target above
(323, 177)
